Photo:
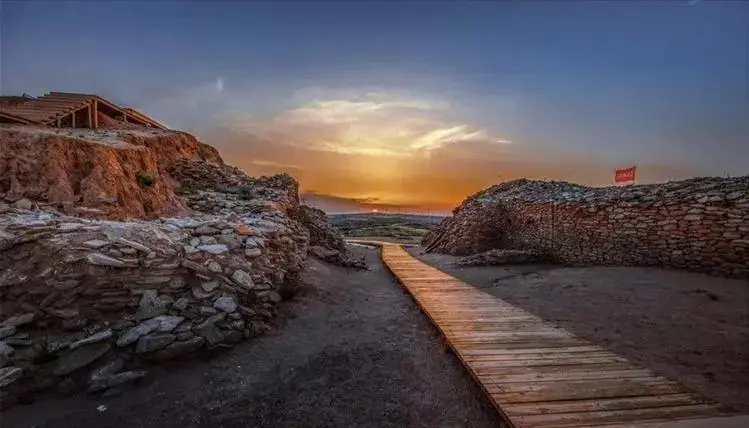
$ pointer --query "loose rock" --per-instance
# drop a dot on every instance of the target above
(19, 320)
(102, 260)
(95, 338)
(8, 375)
(179, 349)
(154, 342)
(243, 279)
(225, 304)
(80, 357)
(6, 331)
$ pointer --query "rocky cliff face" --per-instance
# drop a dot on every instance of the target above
(113, 174)
(88, 300)
(700, 224)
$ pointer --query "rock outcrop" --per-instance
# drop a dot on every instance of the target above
(88, 299)
(700, 224)
(112, 174)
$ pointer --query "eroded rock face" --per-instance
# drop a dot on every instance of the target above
(88, 299)
(111, 174)
(700, 224)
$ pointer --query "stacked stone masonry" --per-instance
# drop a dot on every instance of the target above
(90, 302)
(700, 224)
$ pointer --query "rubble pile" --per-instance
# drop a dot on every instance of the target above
(701, 224)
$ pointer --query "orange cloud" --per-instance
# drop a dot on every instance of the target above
(396, 150)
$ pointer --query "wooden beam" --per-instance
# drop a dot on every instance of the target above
(15, 118)
(90, 117)
(96, 114)
(57, 102)
(72, 120)
(146, 120)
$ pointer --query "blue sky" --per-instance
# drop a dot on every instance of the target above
(609, 83)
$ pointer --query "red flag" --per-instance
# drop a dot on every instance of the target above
(624, 175)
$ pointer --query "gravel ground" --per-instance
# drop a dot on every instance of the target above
(687, 326)
(353, 351)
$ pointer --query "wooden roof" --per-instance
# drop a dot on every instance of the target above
(46, 109)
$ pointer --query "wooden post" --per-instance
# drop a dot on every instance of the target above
(58, 122)
(96, 114)
(124, 117)
(90, 117)
(72, 120)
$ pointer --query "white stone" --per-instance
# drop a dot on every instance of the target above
(69, 227)
(181, 304)
(134, 333)
(179, 223)
(214, 248)
(167, 322)
(6, 331)
(209, 286)
(102, 260)
(207, 240)
(243, 279)
(23, 204)
(98, 337)
(6, 352)
(214, 267)
(225, 304)
(9, 375)
(95, 243)
(132, 244)
(19, 320)
(253, 252)
(254, 242)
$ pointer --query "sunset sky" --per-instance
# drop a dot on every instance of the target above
(411, 104)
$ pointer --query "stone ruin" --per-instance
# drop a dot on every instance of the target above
(88, 302)
(701, 224)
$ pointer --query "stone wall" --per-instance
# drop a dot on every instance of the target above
(700, 224)
(78, 295)
(90, 303)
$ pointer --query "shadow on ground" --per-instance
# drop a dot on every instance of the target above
(687, 326)
(354, 350)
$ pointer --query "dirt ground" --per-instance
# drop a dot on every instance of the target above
(353, 351)
(687, 326)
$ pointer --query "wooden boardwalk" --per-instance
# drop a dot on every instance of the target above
(539, 375)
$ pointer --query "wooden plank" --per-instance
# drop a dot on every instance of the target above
(538, 356)
(740, 421)
(485, 366)
(608, 416)
(503, 351)
(537, 374)
(619, 403)
(580, 390)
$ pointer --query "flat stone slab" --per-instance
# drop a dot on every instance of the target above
(81, 357)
